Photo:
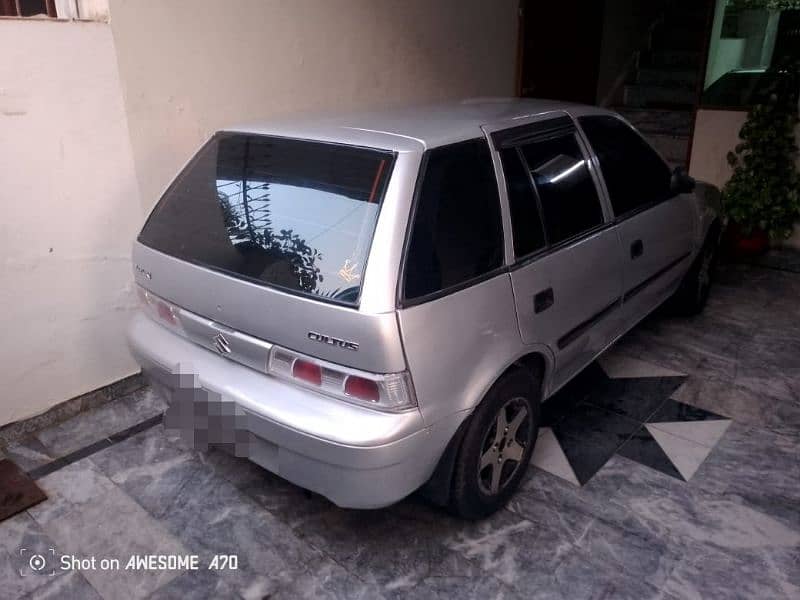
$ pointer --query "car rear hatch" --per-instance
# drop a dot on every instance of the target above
(265, 238)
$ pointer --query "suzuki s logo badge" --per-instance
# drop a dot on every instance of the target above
(221, 344)
(332, 341)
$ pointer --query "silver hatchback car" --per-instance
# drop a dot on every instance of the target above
(376, 303)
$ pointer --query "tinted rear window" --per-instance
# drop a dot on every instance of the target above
(293, 214)
(569, 198)
(458, 233)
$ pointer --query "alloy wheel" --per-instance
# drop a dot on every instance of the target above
(504, 446)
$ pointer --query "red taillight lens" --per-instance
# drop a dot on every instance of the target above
(392, 392)
(165, 313)
(363, 389)
(307, 371)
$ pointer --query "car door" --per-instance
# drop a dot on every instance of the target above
(566, 273)
(656, 226)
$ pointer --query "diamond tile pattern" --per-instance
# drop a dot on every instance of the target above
(597, 416)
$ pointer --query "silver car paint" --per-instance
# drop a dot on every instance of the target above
(458, 345)
(455, 346)
(355, 456)
(273, 315)
(590, 284)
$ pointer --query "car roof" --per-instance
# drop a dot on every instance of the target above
(411, 128)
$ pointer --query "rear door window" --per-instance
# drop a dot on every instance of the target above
(525, 218)
(457, 233)
(293, 214)
(568, 195)
(635, 175)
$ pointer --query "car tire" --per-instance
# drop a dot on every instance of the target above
(497, 446)
(692, 295)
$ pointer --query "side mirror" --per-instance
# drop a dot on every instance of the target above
(682, 182)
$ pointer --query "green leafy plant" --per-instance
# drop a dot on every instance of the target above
(768, 4)
(764, 190)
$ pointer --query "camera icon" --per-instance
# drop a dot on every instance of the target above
(33, 562)
(37, 562)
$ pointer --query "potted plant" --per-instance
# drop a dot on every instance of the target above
(768, 4)
(762, 197)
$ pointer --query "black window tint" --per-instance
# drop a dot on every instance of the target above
(566, 190)
(293, 214)
(457, 232)
(525, 220)
(634, 173)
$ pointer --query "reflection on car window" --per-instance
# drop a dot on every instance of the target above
(294, 214)
(570, 204)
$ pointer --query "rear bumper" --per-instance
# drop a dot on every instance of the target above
(356, 457)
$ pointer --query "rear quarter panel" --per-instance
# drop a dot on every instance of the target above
(456, 346)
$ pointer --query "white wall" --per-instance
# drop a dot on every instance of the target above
(716, 132)
(92, 127)
(189, 67)
(69, 208)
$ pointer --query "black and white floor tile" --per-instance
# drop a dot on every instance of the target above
(623, 406)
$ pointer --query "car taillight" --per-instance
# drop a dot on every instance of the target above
(307, 371)
(390, 392)
(158, 309)
(165, 312)
(363, 389)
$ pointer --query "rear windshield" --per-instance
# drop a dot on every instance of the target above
(293, 214)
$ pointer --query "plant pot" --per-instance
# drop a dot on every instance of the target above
(740, 244)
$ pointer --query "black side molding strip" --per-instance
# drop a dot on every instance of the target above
(573, 334)
(638, 288)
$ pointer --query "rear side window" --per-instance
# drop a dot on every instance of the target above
(634, 173)
(457, 231)
(293, 214)
(525, 218)
(568, 196)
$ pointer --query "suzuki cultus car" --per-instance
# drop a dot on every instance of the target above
(371, 304)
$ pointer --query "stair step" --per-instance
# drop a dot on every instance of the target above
(637, 95)
(671, 58)
(676, 39)
(655, 121)
(680, 77)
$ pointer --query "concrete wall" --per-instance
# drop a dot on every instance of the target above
(189, 67)
(69, 210)
(716, 133)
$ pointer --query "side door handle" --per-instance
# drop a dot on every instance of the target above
(637, 249)
(543, 300)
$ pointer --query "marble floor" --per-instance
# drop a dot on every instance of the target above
(674, 472)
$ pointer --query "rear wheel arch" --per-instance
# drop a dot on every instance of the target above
(438, 487)
(485, 472)
(535, 364)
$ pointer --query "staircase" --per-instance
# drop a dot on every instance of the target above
(661, 94)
